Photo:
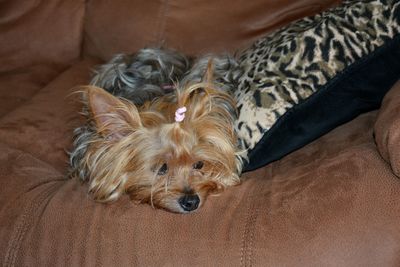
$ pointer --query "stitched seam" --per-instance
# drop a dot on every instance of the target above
(243, 242)
(248, 236)
(246, 251)
(160, 37)
(82, 30)
(24, 223)
(251, 238)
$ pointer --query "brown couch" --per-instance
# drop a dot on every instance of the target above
(335, 202)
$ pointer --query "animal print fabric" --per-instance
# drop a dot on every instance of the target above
(286, 67)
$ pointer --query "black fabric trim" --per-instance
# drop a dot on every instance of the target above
(357, 89)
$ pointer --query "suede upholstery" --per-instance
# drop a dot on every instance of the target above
(38, 40)
(193, 27)
(335, 202)
(387, 129)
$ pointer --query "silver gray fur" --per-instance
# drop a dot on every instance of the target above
(151, 72)
(142, 76)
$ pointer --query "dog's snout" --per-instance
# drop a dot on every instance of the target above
(189, 202)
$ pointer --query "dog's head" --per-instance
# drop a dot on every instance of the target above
(155, 155)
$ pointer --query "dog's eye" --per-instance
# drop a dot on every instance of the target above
(163, 170)
(198, 165)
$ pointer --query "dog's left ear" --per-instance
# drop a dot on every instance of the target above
(113, 117)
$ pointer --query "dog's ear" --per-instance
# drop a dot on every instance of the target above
(209, 74)
(197, 97)
(113, 117)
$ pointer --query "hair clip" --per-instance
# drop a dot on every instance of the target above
(168, 87)
(180, 114)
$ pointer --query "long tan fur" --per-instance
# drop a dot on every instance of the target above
(128, 147)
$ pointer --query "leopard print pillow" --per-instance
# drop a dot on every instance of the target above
(284, 69)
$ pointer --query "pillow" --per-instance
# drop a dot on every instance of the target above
(315, 74)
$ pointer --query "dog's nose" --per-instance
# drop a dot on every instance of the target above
(189, 202)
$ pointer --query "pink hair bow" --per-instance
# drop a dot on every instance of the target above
(180, 114)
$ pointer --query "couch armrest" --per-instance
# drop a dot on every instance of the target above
(387, 128)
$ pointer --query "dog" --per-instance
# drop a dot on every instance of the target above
(160, 128)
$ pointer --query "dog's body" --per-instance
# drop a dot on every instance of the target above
(163, 132)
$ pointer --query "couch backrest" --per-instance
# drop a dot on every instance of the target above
(40, 32)
(52, 32)
(195, 26)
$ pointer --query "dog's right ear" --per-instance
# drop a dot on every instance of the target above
(209, 74)
(113, 117)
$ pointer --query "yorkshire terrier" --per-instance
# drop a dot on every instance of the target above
(160, 127)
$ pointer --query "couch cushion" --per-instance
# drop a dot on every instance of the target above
(34, 139)
(43, 125)
(333, 202)
(387, 129)
(18, 86)
(189, 26)
(26, 183)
